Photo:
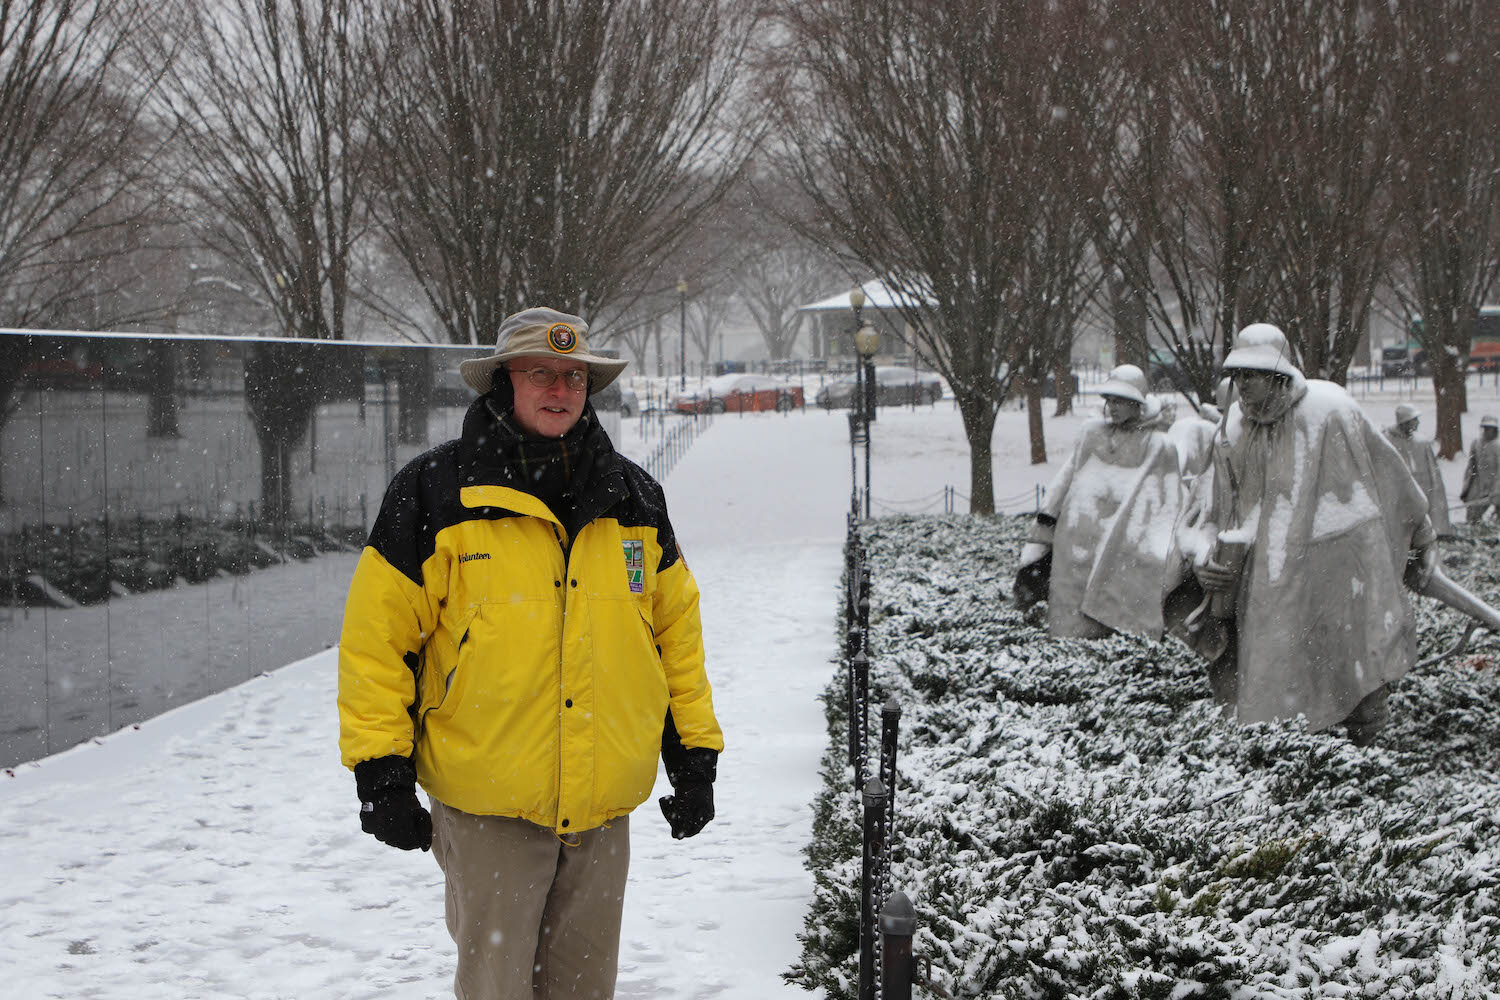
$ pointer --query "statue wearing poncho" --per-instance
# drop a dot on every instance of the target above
(1104, 534)
(1331, 515)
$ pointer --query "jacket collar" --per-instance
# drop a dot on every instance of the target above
(489, 450)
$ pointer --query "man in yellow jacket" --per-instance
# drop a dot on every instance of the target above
(522, 639)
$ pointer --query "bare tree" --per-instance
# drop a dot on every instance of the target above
(1446, 194)
(1249, 176)
(76, 156)
(707, 314)
(706, 262)
(775, 282)
(77, 159)
(1059, 279)
(272, 96)
(700, 266)
(636, 333)
(1189, 186)
(928, 141)
(1328, 68)
(553, 152)
(779, 271)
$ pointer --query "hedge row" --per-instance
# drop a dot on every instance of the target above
(1077, 819)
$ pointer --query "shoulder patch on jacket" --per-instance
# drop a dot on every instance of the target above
(635, 564)
(647, 506)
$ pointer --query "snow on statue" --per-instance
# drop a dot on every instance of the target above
(1417, 453)
(1481, 489)
(1300, 532)
(1099, 549)
(1193, 437)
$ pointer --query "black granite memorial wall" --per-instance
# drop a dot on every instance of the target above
(180, 514)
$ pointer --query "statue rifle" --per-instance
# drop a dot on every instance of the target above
(1441, 588)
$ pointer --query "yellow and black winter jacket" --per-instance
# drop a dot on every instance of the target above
(528, 670)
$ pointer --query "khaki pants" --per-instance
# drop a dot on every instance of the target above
(533, 919)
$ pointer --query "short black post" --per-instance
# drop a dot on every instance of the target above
(859, 674)
(863, 607)
(851, 576)
(898, 923)
(874, 826)
(890, 726)
(862, 680)
(853, 465)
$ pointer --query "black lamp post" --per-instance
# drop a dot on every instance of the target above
(867, 342)
(856, 410)
(682, 290)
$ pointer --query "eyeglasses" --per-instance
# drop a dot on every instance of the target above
(543, 378)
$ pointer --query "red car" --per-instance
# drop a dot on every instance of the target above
(736, 393)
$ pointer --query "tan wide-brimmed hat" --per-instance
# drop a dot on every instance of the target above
(541, 333)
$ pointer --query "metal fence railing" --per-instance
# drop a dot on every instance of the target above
(887, 962)
(674, 444)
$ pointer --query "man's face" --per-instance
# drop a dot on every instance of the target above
(1490, 433)
(547, 411)
(1409, 427)
(1256, 389)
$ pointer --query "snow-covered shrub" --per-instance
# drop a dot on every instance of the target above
(1077, 819)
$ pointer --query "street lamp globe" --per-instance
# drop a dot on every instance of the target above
(857, 298)
(866, 341)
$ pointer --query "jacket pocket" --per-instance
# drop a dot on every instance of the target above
(503, 674)
(650, 632)
(440, 663)
(659, 674)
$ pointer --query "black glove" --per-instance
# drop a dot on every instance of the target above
(690, 809)
(1033, 582)
(388, 806)
(692, 771)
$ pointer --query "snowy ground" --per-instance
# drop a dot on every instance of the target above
(215, 851)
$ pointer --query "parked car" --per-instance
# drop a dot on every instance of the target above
(895, 385)
(1484, 356)
(736, 393)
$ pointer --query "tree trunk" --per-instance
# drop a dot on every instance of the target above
(978, 413)
(161, 402)
(1062, 374)
(275, 482)
(1448, 385)
(283, 385)
(1034, 421)
(15, 354)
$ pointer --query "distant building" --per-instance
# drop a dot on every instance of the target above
(834, 323)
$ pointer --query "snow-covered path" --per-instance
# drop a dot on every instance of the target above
(215, 851)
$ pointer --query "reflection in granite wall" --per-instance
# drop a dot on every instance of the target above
(178, 515)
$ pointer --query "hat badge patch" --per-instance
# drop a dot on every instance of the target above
(561, 338)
